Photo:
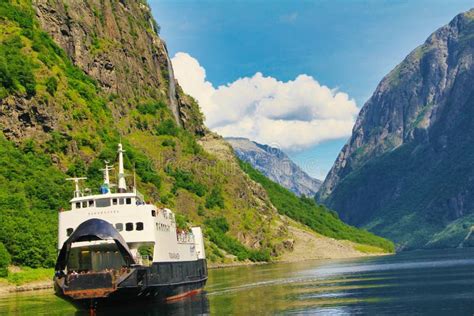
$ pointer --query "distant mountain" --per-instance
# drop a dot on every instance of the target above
(276, 165)
(407, 173)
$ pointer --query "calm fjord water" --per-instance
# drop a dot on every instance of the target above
(420, 282)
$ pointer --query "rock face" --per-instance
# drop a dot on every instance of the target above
(117, 43)
(276, 165)
(407, 172)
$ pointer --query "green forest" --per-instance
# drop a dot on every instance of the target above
(32, 191)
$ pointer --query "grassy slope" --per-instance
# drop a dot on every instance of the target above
(317, 217)
(27, 275)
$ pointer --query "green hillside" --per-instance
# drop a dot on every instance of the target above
(317, 217)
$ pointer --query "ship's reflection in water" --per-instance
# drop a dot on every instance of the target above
(195, 305)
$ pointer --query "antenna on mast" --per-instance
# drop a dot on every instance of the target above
(122, 185)
(134, 179)
(105, 188)
(77, 191)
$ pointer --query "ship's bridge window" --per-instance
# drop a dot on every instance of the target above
(69, 231)
(121, 201)
(128, 200)
(102, 202)
(91, 203)
(84, 204)
(153, 213)
(114, 201)
(139, 226)
(129, 227)
(78, 204)
(119, 227)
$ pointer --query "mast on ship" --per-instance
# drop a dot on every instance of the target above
(77, 191)
(105, 188)
(122, 185)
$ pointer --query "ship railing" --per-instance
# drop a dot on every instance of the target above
(113, 271)
(92, 284)
(140, 196)
(185, 238)
(143, 260)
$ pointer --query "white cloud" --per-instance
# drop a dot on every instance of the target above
(295, 115)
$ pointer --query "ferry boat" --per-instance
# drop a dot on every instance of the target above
(114, 246)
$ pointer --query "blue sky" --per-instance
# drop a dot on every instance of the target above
(344, 45)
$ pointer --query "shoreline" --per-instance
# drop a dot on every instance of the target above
(8, 289)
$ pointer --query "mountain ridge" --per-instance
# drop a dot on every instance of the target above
(276, 165)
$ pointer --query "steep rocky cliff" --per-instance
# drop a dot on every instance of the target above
(276, 165)
(116, 43)
(77, 77)
(408, 170)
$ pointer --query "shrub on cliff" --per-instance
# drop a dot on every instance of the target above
(216, 229)
(215, 198)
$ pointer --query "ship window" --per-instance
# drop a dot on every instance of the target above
(78, 204)
(84, 204)
(69, 231)
(129, 227)
(121, 201)
(91, 203)
(114, 201)
(119, 227)
(153, 213)
(139, 226)
(129, 201)
(102, 202)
